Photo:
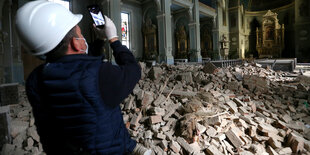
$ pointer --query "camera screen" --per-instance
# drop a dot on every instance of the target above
(97, 15)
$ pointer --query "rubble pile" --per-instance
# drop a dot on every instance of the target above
(201, 109)
(24, 137)
(246, 109)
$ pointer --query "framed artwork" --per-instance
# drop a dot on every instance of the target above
(150, 40)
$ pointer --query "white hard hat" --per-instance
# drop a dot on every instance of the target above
(41, 25)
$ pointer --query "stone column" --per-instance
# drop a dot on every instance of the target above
(215, 36)
(164, 33)
(112, 8)
(194, 34)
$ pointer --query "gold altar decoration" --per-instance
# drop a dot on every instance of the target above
(181, 43)
(150, 40)
(270, 37)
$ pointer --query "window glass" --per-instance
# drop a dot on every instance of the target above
(125, 29)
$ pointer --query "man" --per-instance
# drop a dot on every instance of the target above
(76, 97)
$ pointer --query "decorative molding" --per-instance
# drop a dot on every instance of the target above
(206, 7)
(183, 3)
(192, 24)
(146, 10)
(161, 16)
(259, 13)
(183, 10)
(269, 13)
(178, 19)
(206, 10)
(233, 8)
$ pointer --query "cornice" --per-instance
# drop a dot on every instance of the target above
(257, 13)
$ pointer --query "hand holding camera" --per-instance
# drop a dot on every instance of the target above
(108, 31)
(103, 26)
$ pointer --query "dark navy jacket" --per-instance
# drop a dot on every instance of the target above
(76, 101)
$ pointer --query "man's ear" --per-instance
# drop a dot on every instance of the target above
(75, 44)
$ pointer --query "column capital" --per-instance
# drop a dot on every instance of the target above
(192, 24)
(161, 16)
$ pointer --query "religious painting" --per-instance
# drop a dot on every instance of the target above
(150, 40)
(269, 33)
(181, 36)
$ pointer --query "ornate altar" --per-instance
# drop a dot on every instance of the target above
(181, 43)
(150, 40)
(270, 37)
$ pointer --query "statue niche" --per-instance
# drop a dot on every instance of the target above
(270, 37)
(150, 40)
(181, 43)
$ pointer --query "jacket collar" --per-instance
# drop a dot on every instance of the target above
(74, 57)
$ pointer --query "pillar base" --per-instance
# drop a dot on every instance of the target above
(196, 57)
(166, 59)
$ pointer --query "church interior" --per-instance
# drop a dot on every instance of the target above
(197, 32)
(179, 30)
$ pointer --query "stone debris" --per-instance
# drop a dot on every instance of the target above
(5, 125)
(23, 133)
(201, 109)
(235, 110)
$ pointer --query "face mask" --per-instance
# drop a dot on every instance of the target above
(86, 50)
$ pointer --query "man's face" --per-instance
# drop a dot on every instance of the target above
(81, 41)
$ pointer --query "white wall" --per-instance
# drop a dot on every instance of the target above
(135, 26)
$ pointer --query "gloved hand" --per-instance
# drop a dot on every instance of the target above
(109, 31)
(109, 28)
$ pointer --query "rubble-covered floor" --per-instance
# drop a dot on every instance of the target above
(189, 109)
